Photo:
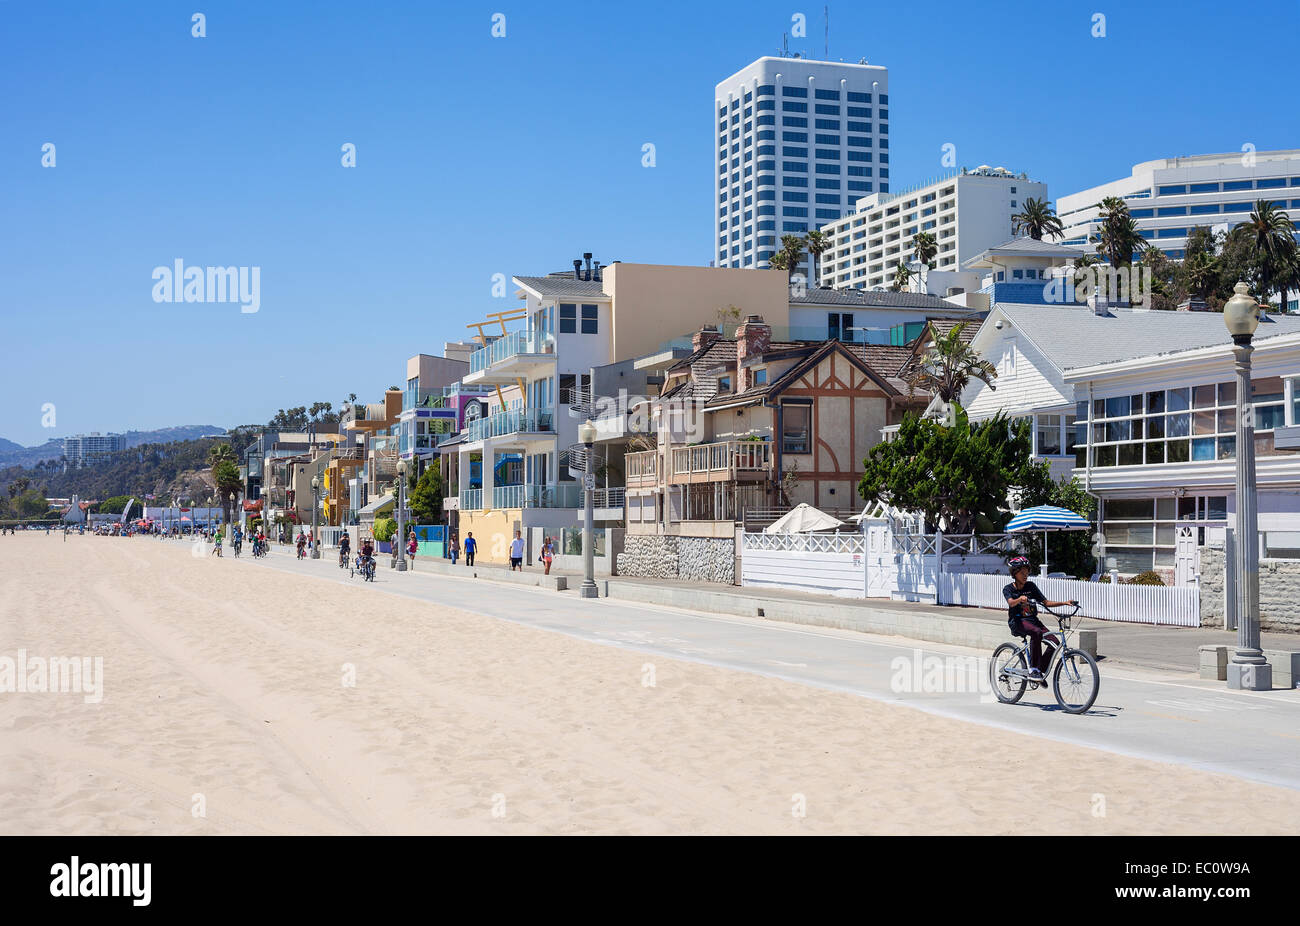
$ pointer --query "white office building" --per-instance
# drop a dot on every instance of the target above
(798, 142)
(1171, 196)
(81, 449)
(967, 213)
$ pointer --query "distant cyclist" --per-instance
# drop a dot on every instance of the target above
(1022, 615)
(345, 547)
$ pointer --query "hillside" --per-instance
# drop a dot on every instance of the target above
(12, 454)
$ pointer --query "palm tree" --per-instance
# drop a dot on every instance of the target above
(1038, 218)
(792, 248)
(1289, 275)
(925, 246)
(1119, 236)
(817, 242)
(948, 365)
(1273, 244)
(902, 276)
(221, 453)
(779, 261)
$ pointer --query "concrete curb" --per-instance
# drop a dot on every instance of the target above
(955, 630)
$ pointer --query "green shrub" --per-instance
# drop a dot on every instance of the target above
(385, 528)
(1146, 578)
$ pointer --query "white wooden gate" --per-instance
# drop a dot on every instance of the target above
(881, 561)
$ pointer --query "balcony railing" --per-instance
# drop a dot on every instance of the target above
(526, 420)
(609, 498)
(510, 345)
(562, 495)
(642, 468)
(720, 461)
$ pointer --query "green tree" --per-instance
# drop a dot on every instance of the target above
(958, 475)
(114, 505)
(1118, 238)
(1272, 238)
(30, 504)
(925, 247)
(902, 276)
(226, 476)
(817, 243)
(426, 497)
(221, 453)
(385, 528)
(792, 248)
(1037, 218)
(1067, 551)
(948, 365)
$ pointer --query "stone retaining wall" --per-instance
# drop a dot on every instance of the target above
(1279, 590)
(658, 556)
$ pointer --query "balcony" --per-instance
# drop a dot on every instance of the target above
(563, 495)
(642, 469)
(370, 416)
(725, 461)
(521, 354)
(514, 421)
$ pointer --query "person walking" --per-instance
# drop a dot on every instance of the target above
(517, 553)
(548, 554)
(411, 546)
(471, 547)
(455, 547)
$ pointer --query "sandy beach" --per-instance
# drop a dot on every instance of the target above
(225, 691)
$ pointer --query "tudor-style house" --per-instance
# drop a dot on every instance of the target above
(748, 423)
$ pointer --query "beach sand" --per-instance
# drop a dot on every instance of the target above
(224, 692)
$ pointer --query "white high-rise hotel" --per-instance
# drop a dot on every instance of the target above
(799, 141)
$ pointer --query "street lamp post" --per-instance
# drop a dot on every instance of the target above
(315, 506)
(1248, 670)
(401, 516)
(587, 434)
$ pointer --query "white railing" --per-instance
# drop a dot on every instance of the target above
(609, 498)
(1140, 604)
(809, 543)
(722, 457)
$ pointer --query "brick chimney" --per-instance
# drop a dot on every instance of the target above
(705, 336)
(753, 338)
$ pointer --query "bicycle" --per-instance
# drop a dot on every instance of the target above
(1073, 673)
(366, 566)
(343, 558)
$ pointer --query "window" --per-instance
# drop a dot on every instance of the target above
(589, 319)
(801, 92)
(1049, 435)
(760, 377)
(568, 318)
(796, 428)
(1173, 190)
(839, 326)
(724, 383)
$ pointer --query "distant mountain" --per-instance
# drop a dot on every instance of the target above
(12, 454)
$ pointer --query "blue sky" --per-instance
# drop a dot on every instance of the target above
(479, 155)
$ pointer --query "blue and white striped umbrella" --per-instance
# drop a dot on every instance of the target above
(1048, 518)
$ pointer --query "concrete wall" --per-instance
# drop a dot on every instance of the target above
(1279, 590)
(700, 559)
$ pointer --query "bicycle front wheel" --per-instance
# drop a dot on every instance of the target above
(1076, 681)
(1008, 687)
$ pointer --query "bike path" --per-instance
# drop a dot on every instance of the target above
(1162, 716)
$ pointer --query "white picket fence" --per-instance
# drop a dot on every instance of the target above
(846, 565)
(1141, 604)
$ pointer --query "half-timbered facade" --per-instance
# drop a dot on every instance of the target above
(746, 424)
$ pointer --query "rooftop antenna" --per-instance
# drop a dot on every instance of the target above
(826, 12)
(785, 45)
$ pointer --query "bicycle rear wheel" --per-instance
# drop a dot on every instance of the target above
(1007, 688)
(1076, 681)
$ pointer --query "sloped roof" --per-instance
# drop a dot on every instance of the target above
(1072, 336)
(560, 286)
(871, 299)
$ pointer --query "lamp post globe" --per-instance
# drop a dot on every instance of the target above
(315, 507)
(587, 434)
(1248, 669)
(400, 539)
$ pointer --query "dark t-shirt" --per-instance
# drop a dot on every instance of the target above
(1030, 590)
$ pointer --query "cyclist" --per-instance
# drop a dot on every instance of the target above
(1022, 616)
(345, 547)
(367, 554)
